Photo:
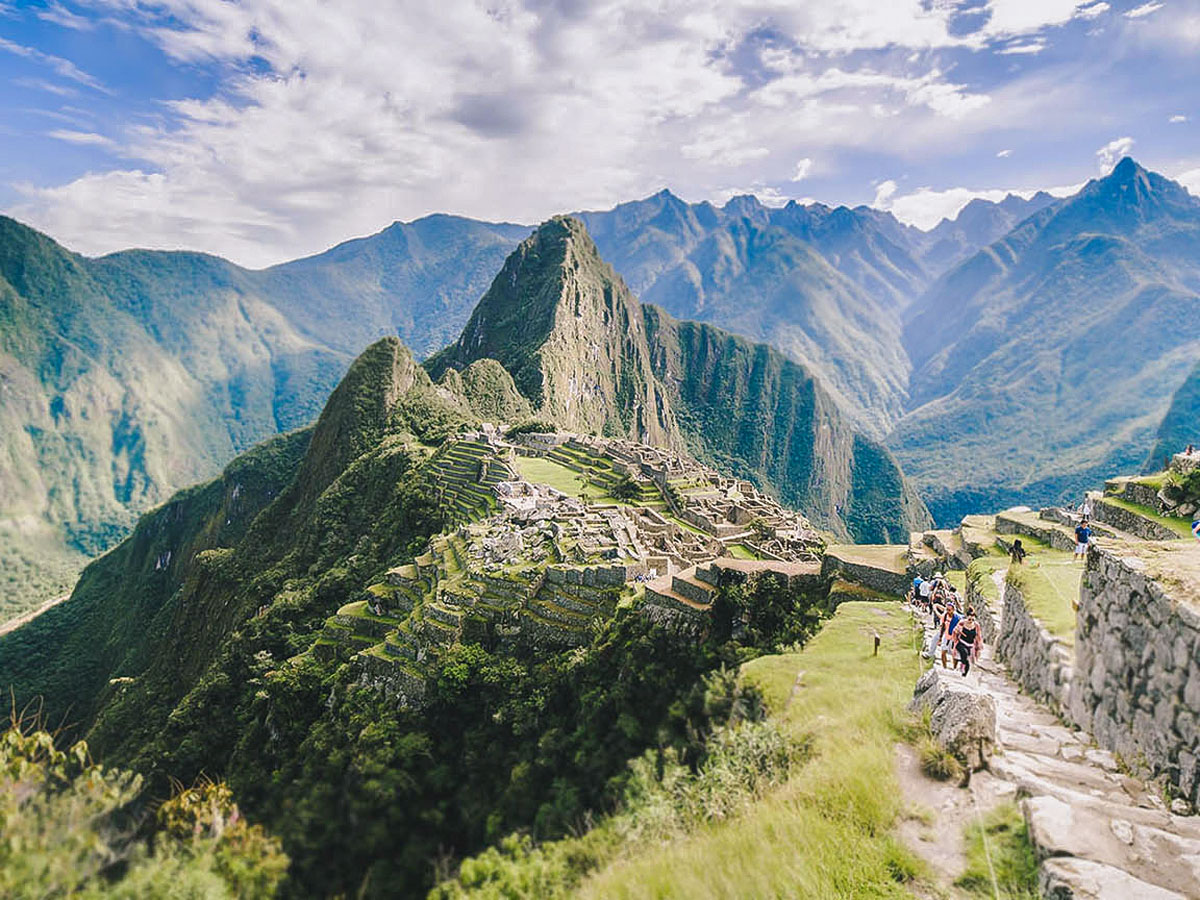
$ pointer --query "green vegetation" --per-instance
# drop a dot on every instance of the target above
(825, 833)
(741, 551)
(999, 846)
(745, 826)
(1181, 527)
(201, 664)
(69, 828)
(661, 380)
(1049, 582)
(879, 556)
(544, 471)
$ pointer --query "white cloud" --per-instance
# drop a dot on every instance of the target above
(58, 14)
(87, 138)
(334, 119)
(1003, 154)
(925, 206)
(1112, 152)
(63, 67)
(1177, 119)
(884, 192)
(1144, 10)
(1190, 180)
(1093, 11)
(1017, 17)
(1026, 48)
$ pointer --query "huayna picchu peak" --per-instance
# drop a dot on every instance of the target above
(590, 357)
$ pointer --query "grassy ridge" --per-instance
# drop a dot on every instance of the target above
(826, 832)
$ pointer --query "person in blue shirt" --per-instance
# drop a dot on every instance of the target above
(1083, 537)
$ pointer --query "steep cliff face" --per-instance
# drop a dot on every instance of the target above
(591, 358)
(127, 377)
(570, 332)
(748, 408)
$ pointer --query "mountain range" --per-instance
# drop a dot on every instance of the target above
(973, 350)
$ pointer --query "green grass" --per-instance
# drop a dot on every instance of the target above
(546, 471)
(686, 526)
(1181, 527)
(1049, 582)
(999, 845)
(826, 833)
(741, 551)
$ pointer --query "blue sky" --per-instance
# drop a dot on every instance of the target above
(267, 129)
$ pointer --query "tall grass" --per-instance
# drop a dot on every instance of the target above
(827, 831)
(999, 847)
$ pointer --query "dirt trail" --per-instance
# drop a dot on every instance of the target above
(14, 624)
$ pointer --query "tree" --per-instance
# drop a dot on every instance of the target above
(70, 827)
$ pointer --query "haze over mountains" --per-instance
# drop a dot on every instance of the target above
(971, 349)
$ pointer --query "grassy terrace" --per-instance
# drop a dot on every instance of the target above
(880, 556)
(1049, 582)
(1181, 527)
(741, 551)
(827, 831)
(541, 470)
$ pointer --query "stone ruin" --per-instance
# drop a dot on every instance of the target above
(529, 564)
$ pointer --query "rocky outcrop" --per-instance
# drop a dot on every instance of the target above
(1038, 661)
(1136, 684)
(962, 716)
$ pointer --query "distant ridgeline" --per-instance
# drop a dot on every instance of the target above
(355, 615)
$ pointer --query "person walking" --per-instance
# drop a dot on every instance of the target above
(1018, 552)
(1083, 537)
(1086, 509)
(950, 620)
(966, 640)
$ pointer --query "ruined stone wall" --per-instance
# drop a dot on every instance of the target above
(1136, 685)
(985, 610)
(880, 580)
(1038, 661)
(1132, 523)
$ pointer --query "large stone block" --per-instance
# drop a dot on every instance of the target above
(962, 716)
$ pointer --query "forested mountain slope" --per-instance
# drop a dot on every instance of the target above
(1051, 357)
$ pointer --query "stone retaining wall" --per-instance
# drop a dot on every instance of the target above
(881, 580)
(1048, 533)
(1132, 523)
(1038, 661)
(1136, 686)
(987, 616)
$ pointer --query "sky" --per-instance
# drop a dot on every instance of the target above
(263, 130)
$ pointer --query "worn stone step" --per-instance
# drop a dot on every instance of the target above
(1111, 835)
(1067, 878)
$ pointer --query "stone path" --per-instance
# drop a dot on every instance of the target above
(1102, 834)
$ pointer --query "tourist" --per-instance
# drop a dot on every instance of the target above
(1083, 537)
(966, 640)
(1086, 509)
(925, 592)
(1196, 526)
(950, 620)
(1189, 451)
(1018, 552)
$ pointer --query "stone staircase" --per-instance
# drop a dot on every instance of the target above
(1099, 833)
